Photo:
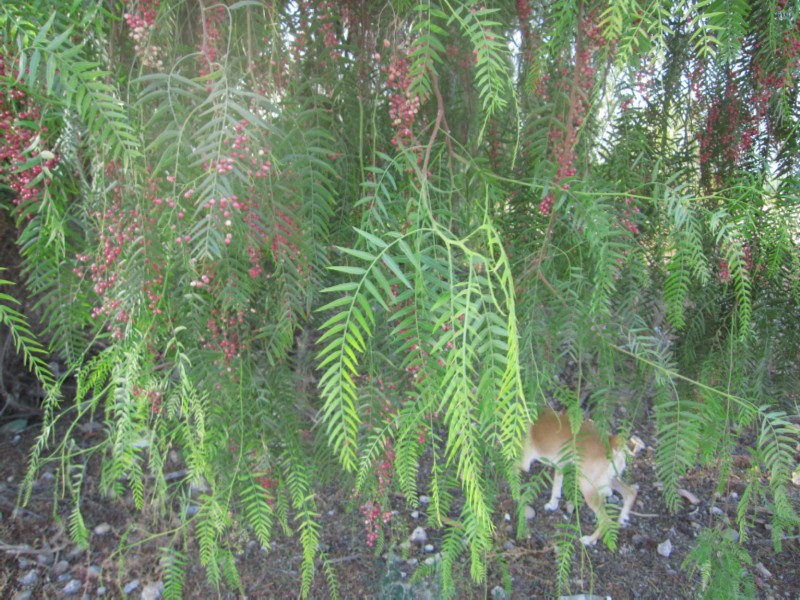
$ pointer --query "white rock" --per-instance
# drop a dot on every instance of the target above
(665, 548)
(30, 578)
(415, 514)
(498, 593)
(133, 585)
(507, 518)
(73, 587)
(60, 567)
(152, 591)
(530, 512)
(424, 499)
(102, 529)
(429, 548)
(765, 573)
(418, 536)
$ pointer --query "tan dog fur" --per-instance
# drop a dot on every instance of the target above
(549, 441)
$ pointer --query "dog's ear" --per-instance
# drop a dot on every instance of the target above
(635, 445)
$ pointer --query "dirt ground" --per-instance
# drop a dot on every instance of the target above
(37, 559)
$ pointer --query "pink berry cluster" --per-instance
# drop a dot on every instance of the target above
(117, 228)
(403, 107)
(18, 113)
(628, 216)
(211, 43)
(269, 484)
(577, 84)
(154, 397)
(326, 16)
(141, 22)
(374, 517)
(223, 336)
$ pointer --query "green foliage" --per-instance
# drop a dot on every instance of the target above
(289, 245)
(25, 341)
(722, 565)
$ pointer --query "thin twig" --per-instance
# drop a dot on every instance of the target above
(26, 549)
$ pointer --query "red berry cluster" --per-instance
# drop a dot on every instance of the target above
(19, 115)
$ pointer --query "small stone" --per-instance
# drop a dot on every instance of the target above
(73, 587)
(530, 512)
(75, 553)
(102, 529)
(424, 499)
(412, 562)
(429, 549)
(101, 591)
(665, 548)
(765, 573)
(63, 577)
(507, 518)
(415, 514)
(60, 568)
(30, 578)
(24, 563)
(430, 561)
(152, 591)
(44, 559)
(418, 536)
(498, 593)
(732, 534)
(716, 510)
(129, 588)
(331, 513)
(94, 571)
(192, 510)
(47, 476)
(509, 545)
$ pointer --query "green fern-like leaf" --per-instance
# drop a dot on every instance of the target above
(175, 564)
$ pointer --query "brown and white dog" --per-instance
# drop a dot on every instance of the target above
(549, 440)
